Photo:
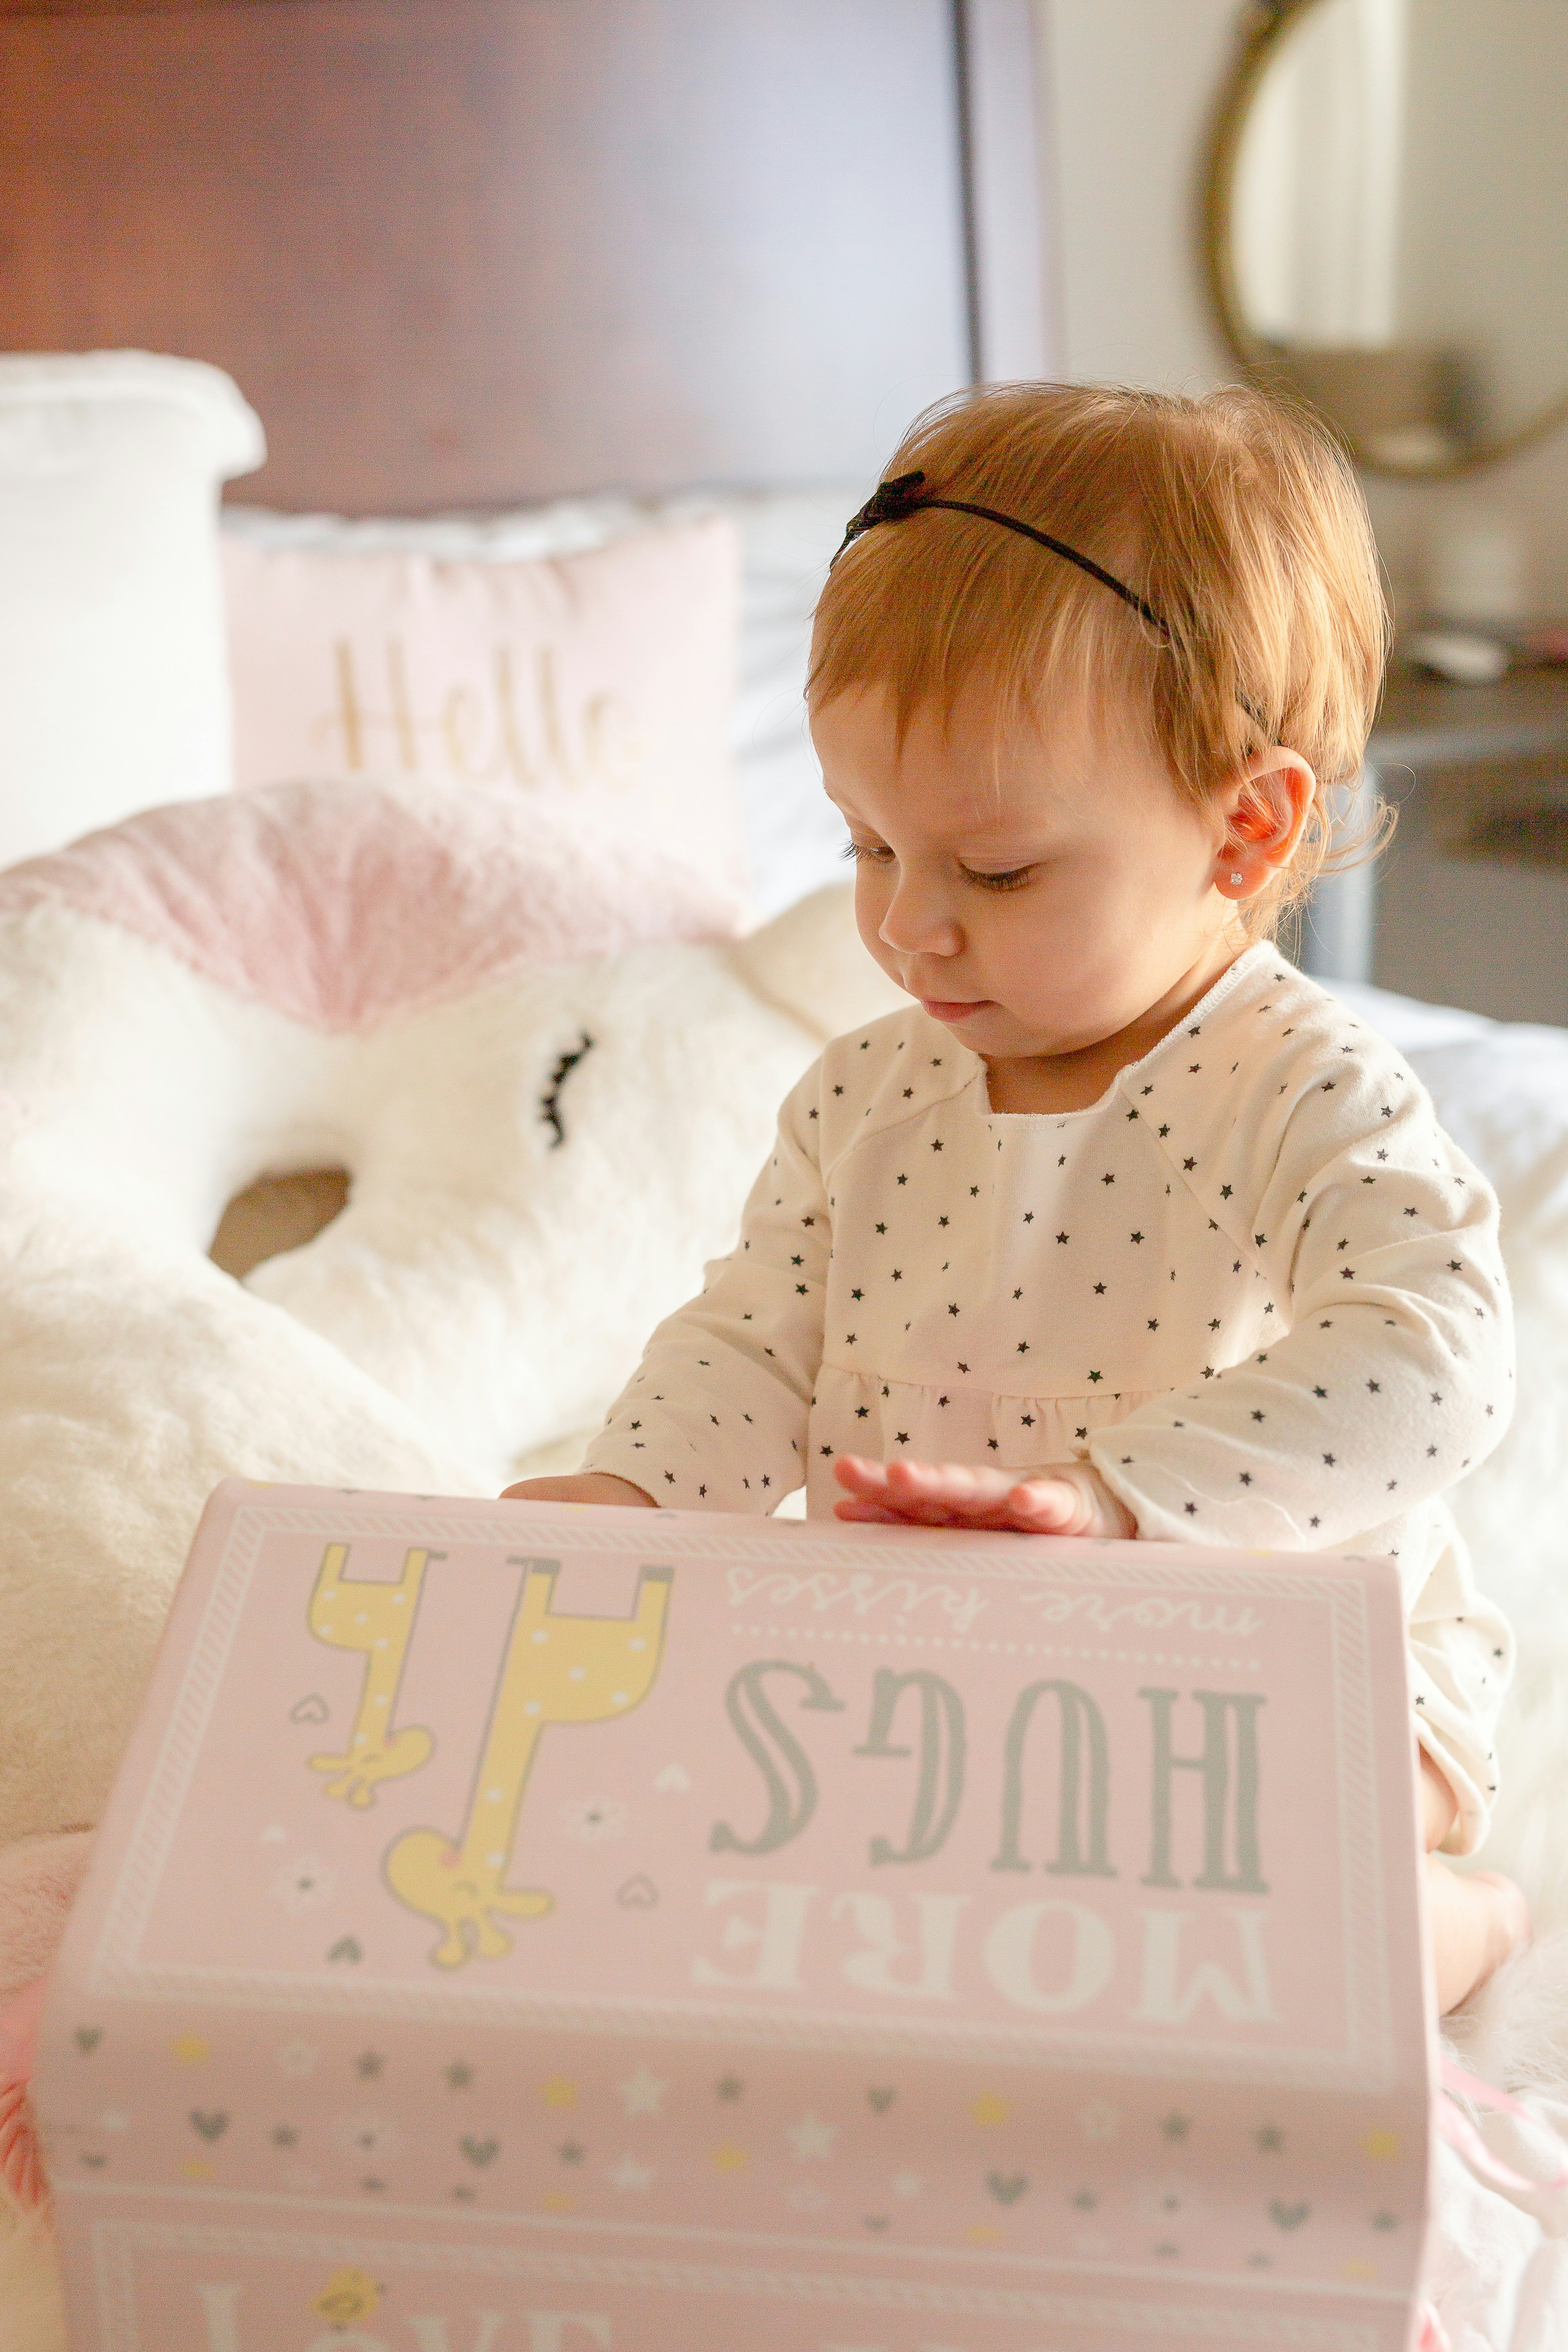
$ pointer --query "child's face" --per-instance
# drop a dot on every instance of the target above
(1039, 895)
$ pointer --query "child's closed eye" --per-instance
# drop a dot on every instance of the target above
(876, 853)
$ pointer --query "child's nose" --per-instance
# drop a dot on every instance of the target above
(919, 921)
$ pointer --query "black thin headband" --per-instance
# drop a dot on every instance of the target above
(891, 501)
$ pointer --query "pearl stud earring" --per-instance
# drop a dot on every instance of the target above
(1238, 878)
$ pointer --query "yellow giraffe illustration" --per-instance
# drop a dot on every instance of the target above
(556, 1670)
(361, 1614)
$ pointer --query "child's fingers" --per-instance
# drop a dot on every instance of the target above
(944, 1494)
(860, 1474)
(1044, 1507)
(957, 1495)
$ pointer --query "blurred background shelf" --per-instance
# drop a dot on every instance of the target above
(1470, 903)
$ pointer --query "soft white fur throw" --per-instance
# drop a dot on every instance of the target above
(484, 1294)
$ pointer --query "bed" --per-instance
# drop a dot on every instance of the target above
(390, 386)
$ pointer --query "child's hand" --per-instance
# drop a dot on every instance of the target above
(584, 1487)
(1068, 1499)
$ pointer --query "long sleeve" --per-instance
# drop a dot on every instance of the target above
(1377, 1242)
(715, 1416)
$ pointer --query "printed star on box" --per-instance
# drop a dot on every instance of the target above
(812, 2137)
(643, 2093)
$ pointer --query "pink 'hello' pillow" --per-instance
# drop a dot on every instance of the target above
(599, 684)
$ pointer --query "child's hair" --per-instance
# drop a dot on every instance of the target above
(1235, 516)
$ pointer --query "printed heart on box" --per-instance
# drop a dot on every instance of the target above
(879, 2098)
(674, 1777)
(210, 2122)
(875, 2221)
(1006, 2187)
(638, 1894)
(480, 2151)
(347, 1947)
(87, 2037)
(313, 1709)
(1289, 2217)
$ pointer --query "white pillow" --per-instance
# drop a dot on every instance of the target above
(113, 685)
(795, 838)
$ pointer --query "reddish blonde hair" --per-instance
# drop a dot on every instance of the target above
(1235, 516)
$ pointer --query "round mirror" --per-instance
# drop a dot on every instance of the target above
(1388, 220)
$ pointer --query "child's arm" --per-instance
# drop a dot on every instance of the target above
(715, 1416)
(1375, 1244)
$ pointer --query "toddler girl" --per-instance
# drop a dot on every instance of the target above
(1123, 1227)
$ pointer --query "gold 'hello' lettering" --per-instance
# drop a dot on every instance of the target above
(480, 731)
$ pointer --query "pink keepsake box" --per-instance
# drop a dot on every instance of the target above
(529, 1928)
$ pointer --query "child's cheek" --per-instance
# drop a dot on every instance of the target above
(873, 889)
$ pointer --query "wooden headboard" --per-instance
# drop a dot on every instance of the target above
(465, 252)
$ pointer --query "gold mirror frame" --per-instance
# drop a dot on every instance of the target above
(1264, 27)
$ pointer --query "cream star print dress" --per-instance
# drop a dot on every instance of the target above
(1255, 1284)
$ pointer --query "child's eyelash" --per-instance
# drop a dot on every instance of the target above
(875, 853)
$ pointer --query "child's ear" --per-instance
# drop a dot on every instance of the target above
(1266, 806)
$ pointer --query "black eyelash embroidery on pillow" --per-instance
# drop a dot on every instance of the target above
(549, 1100)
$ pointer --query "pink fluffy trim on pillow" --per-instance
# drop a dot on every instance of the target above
(342, 904)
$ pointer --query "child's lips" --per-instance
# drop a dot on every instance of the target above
(953, 1008)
